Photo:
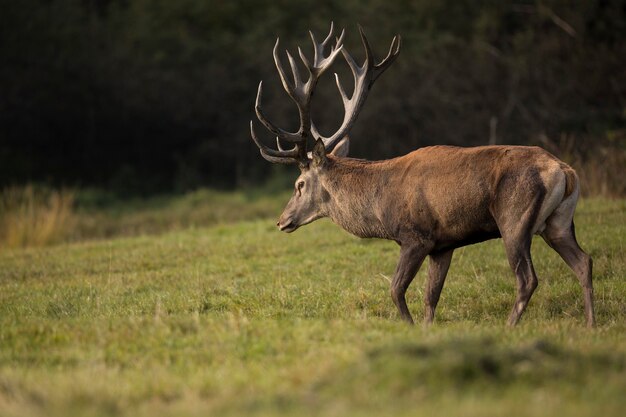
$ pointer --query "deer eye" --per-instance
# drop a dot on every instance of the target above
(299, 186)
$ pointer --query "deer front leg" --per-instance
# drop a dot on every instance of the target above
(411, 258)
(438, 266)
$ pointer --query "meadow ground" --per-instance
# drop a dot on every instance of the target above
(239, 319)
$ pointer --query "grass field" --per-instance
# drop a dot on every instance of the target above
(239, 319)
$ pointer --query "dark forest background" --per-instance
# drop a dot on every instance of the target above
(152, 96)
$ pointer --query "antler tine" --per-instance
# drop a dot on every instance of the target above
(344, 96)
(315, 48)
(283, 134)
(280, 148)
(354, 67)
(305, 61)
(394, 51)
(280, 156)
(330, 34)
(294, 70)
(281, 71)
(369, 57)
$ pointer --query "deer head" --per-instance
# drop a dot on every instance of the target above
(308, 201)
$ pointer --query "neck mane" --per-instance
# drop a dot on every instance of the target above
(354, 187)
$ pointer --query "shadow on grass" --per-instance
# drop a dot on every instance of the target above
(480, 363)
(408, 374)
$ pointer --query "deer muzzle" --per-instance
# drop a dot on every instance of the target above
(286, 225)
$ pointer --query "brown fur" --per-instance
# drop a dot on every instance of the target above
(422, 194)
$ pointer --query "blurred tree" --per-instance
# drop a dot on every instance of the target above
(149, 96)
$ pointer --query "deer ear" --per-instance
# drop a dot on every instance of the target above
(318, 155)
(342, 148)
(303, 165)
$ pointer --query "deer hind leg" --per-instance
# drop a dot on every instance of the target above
(411, 258)
(516, 228)
(563, 241)
(437, 270)
(518, 253)
(516, 222)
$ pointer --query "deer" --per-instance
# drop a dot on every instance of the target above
(431, 201)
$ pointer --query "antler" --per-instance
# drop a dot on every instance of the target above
(301, 94)
(364, 77)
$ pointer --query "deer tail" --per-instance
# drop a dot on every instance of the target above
(571, 180)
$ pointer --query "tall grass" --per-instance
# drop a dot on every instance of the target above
(31, 216)
(602, 175)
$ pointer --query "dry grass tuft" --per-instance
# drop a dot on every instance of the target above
(32, 216)
(603, 175)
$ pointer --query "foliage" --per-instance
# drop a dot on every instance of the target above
(239, 319)
(155, 96)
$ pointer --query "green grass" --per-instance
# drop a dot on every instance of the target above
(239, 319)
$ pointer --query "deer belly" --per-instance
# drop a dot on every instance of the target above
(466, 230)
(468, 239)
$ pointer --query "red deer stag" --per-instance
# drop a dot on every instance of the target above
(431, 201)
